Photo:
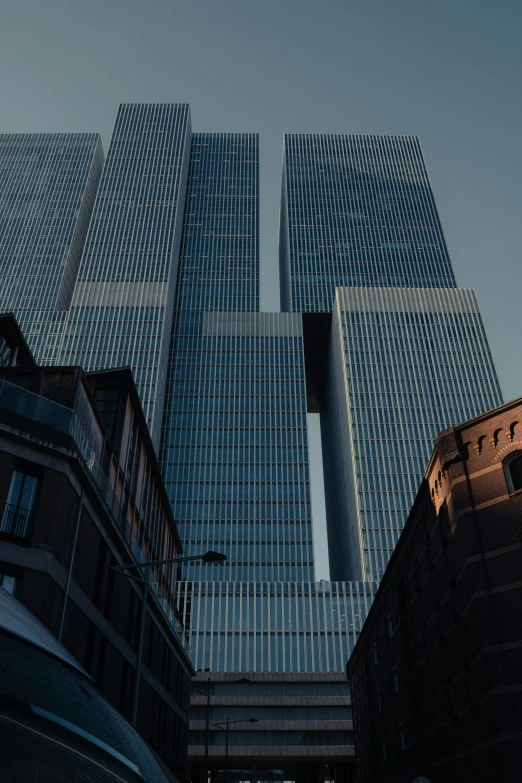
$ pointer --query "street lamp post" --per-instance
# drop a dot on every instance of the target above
(204, 777)
(224, 726)
(208, 557)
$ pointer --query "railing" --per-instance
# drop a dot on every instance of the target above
(58, 417)
(15, 520)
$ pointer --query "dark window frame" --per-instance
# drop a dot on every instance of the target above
(513, 484)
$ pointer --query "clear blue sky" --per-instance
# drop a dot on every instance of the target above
(449, 71)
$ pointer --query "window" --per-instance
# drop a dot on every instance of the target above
(8, 582)
(17, 511)
(402, 736)
(513, 471)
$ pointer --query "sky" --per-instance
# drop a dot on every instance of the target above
(449, 71)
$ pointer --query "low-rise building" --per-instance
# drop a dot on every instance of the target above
(436, 674)
(55, 725)
(281, 727)
(81, 492)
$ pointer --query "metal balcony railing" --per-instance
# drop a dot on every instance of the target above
(15, 520)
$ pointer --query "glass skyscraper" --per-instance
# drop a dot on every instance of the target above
(356, 211)
(169, 284)
(236, 464)
(408, 357)
(218, 273)
(405, 364)
(121, 310)
(48, 184)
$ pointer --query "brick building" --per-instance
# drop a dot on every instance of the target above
(436, 674)
(81, 492)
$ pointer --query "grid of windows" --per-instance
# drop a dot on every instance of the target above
(273, 627)
(405, 364)
(213, 451)
(169, 285)
(356, 211)
(219, 258)
(236, 460)
(48, 184)
(121, 312)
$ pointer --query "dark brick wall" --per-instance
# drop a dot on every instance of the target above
(454, 586)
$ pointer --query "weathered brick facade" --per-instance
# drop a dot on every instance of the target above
(437, 672)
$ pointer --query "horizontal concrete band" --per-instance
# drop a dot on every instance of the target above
(120, 295)
(281, 725)
(273, 701)
(252, 325)
(275, 751)
(407, 300)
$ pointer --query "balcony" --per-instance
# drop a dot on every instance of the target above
(15, 520)
(58, 421)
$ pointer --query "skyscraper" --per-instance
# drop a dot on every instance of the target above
(218, 272)
(405, 363)
(408, 353)
(356, 211)
(234, 441)
(374, 335)
(48, 183)
(121, 310)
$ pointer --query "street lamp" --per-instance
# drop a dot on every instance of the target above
(204, 777)
(208, 557)
(224, 726)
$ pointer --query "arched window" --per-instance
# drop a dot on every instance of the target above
(513, 470)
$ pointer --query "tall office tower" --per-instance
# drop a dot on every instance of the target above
(48, 184)
(237, 462)
(409, 356)
(234, 442)
(121, 310)
(218, 272)
(404, 365)
(356, 211)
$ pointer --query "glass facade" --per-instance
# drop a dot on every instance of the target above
(169, 285)
(404, 365)
(273, 626)
(121, 310)
(356, 211)
(408, 356)
(48, 184)
(236, 460)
